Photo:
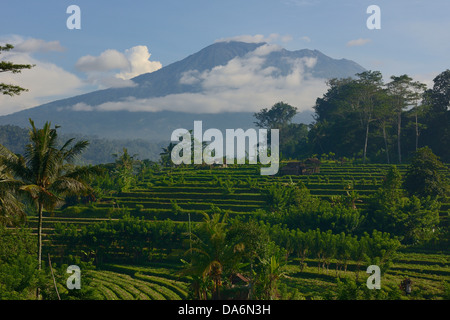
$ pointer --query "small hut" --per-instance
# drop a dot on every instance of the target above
(240, 288)
(312, 165)
(297, 168)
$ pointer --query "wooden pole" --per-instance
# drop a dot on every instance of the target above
(53, 276)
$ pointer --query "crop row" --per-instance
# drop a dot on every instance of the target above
(189, 195)
(127, 288)
(205, 189)
(157, 277)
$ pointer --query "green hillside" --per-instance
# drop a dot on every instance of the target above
(182, 194)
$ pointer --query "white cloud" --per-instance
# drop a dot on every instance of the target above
(139, 63)
(81, 107)
(114, 69)
(38, 45)
(243, 84)
(358, 42)
(190, 77)
(30, 45)
(133, 62)
(306, 39)
(258, 38)
(108, 60)
(45, 82)
(106, 80)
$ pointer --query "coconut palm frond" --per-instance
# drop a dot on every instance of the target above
(6, 153)
(16, 167)
(83, 173)
(68, 186)
(76, 150)
(11, 209)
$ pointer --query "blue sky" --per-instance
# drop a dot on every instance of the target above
(414, 37)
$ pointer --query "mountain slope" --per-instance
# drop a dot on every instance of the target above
(166, 82)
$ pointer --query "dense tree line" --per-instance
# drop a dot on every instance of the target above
(383, 122)
(325, 246)
(366, 119)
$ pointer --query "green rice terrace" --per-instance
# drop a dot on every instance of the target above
(147, 258)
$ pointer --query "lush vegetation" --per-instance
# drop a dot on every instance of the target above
(152, 230)
(293, 237)
(373, 121)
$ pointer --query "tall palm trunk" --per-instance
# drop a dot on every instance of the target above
(399, 126)
(40, 209)
(385, 142)
(366, 140)
(417, 133)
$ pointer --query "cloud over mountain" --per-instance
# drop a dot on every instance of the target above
(47, 81)
(222, 84)
(258, 38)
(245, 83)
(115, 69)
(139, 63)
(108, 60)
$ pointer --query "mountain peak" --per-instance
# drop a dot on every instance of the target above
(164, 99)
(216, 54)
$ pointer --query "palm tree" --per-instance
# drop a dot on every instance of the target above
(11, 209)
(125, 166)
(209, 254)
(125, 161)
(46, 173)
(268, 278)
(166, 154)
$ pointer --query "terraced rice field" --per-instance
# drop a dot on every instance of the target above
(181, 194)
(236, 190)
(139, 283)
(429, 273)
